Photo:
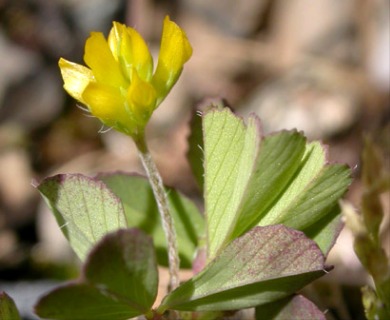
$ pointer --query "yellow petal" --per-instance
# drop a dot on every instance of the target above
(141, 98)
(135, 54)
(99, 58)
(76, 78)
(105, 103)
(114, 39)
(175, 50)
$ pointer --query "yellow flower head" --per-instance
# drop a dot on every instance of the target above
(119, 86)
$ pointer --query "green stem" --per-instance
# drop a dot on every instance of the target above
(162, 203)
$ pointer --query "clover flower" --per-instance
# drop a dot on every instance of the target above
(119, 86)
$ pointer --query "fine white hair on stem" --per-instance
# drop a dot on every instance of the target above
(64, 225)
(85, 109)
(104, 130)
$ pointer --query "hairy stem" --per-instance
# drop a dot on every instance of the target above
(162, 203)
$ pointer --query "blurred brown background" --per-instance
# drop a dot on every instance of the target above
(319, 66)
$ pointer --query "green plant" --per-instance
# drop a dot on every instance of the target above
(8, 308)
(271, 204)
(259, 191)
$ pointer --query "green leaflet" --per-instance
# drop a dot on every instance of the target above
(8, 308)
(309, 202)
(230, 151)
(280, 178)
(85, 209)
(311, 164)
(264, 265)
(119, 281)
(277, 162)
